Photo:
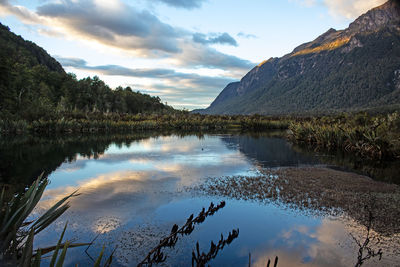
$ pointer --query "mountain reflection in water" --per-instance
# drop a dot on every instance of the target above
(135, 188)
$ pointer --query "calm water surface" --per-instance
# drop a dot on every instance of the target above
(133, 190)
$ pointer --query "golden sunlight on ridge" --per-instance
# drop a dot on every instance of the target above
(324, 47)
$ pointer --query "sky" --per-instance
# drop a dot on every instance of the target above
(184, 51)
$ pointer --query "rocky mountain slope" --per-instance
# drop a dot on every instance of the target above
(350, 69)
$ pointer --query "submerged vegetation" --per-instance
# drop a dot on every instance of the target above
(316, 190)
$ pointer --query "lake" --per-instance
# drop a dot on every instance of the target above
(134, 188)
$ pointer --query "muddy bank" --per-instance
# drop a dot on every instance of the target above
(317, 190)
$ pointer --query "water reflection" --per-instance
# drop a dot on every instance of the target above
(134, 189)
(269, 152)
(386, 171)
(23, 158)
(325, 245)
(318, 191)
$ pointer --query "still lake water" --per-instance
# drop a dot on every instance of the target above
(134, 189)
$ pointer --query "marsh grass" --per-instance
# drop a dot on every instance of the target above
(367, 136)
(376, 137)
(93, 122)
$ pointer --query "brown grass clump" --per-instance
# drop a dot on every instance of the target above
(318, 190)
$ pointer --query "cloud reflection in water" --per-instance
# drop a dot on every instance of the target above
(136, 191)
(138, 178)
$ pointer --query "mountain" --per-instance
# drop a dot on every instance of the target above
(351, 69)
(33, 85)
(25, 52)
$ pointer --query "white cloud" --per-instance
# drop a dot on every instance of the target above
(122, 26)
(351, 9)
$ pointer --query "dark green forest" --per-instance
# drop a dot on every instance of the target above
(34, 85)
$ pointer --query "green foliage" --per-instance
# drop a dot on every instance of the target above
(17, 234)
(33, 86)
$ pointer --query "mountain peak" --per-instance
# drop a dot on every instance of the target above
(376, 18)
(389, 5)
(351, 69)
(386, 15)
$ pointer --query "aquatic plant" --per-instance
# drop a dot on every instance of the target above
(200, 259)
(365, 251)
(157, 256)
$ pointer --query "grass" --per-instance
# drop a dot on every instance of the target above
(80, 123)
(375, 137)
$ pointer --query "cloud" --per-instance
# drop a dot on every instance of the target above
(141, 34)
(351, 9)
(305, 3)
(145, 73)
(118, 25)
(71, 62)
(177, 88)
(247, 36)
(137, 32)
(121, 25)
(222, 38)
(24, 14)
(198, 55)
(49, 32)
(187, 4)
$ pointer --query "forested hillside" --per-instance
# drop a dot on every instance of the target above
(34, 85)
(357, 68)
